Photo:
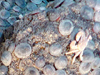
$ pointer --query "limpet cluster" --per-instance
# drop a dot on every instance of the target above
(43, 35)
(15, 8)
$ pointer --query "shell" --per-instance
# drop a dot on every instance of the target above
(96, 27)
(96, 63)
(84, 68)
(49, 70)
(61, 62)
(31, 6)
(3, 70)
(6, 5)
(55, 49)
(23, 50)
(40, 62)
(87, 12)
(97, 6)
(4, 14)
(31, 71)
(88, 55)
(66, 27)
(97, 16)
(16, 8)
(6, 58)
(21, 3)
(91, 3)
(60, 72)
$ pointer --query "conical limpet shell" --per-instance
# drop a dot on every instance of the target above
(84, 68)
(6, 58)
(23, 50)
(31, 71)
(3, 70)
(55, 49)
(66, 27)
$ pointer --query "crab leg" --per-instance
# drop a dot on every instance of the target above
(73, 60)
(74, 51)
(81, 58)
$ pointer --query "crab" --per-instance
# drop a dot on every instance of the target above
(77, 46)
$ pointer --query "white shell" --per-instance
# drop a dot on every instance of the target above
(31, 71)
(3, 70)
(23, 50)
(6, 58)
(63, 27)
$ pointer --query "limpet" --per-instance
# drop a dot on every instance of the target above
(84, 68)
(16, 8)
(12, 20)
(6, 5)
(87, 12)
(97, 6)
(53, 15)
(21, 3)
(88, 55)
(96, 27)
(11, 2)
(49, 70)
(91, 3)
(55, 49)
(31, 71)
(96, 63)
(61, 62)
(60, 72)
(66, 27)
(40, 62)
(11, 47)
(4, 14)
(3, 70)
(23, 50)
(2, 22)
(31, 6)
(97, 16)
(6, 58)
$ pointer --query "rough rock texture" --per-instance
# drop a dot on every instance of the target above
(36, 30)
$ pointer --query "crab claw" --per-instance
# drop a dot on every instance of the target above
(72, 45)
(79, 35)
